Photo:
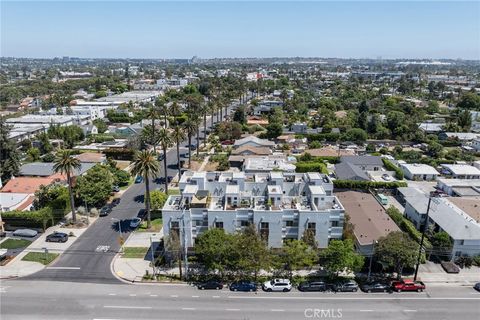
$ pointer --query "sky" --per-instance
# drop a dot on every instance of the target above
(160, 29)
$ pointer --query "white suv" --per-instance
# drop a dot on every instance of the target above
(283, 285)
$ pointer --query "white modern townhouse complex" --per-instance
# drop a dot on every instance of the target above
(281, 205)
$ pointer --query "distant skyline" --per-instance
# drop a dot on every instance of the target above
(157, 29)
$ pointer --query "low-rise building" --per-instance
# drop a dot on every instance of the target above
(459, 187)
(368, 217)
(253, 141)
(10, 201)
(267, 164)
(419, 171)
(357, 167)
(461, 171)
(45, 169)
(282, 206)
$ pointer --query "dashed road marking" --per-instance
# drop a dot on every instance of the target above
(154, 295)
(195, 296)
(215, 296)
(277, 310)
(112, 294)
(232, 309)
(132, 295)
(174, 296)
(63, 268)
(126, 307)
(188, 308)
(409, 310)
(366, 310)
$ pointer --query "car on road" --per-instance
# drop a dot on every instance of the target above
(210, 285)
(246, 286)
(477, 286)
(312, 286)
(386, 177)
(192, 146)
(115, 188)
(135, 222)
(408, 285)
(345, 286)
(105, 211)
(376, 287)
(139, 179)
(25, 233)
(57, 237)
(279, 285)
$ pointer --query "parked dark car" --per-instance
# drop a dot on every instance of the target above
(313, 286)
(243, 286)
(345, 286)
(115, 201)
(192, 146)
(115, 188)
(105, 211)
(57, 237)
(376, 287)
(210, 285)
(477, 286)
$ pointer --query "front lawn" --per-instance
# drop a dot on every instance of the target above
(173, 192)
(15, 244)
(156, 226)
(40, 257)
(134, 252)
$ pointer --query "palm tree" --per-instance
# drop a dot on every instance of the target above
(65, 163)
(163, 109)
(165, 141)
(146, 165)
(178, 136)
(152, 113)
(190, 127)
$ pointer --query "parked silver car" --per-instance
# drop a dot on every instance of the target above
(25, 233)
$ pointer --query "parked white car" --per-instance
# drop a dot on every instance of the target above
(25, 233)
(282, 285)
(135, 222)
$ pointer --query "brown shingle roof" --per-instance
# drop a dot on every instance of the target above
(251, 150)
(368, 217)
(91, 157)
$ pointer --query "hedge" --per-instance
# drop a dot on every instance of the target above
(120, 154)
(311, 166)
(390, 166)
(365, 185)
(407, 226)
(42, 218)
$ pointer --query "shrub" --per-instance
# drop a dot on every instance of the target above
(407, 226)
(120, 154)
(311, 167)
(390, 166)
(365, 185)
(42, 218)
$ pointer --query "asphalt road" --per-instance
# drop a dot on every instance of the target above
(89, 258)
(22, 299)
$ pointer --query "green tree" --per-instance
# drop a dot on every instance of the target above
(397, 250)
(341, 256)
(442, 244)
(434, 149)
(54, 196)
(158, 199)
(45, 145)
(240, 115)
(33, 154)
(214, 248)
(66, 163)
(357, 135)
(101, 125)
(464, 120)
(297, 254)
(274, 130)
(309, 238)
(146, 165)
(95, 187)
(9, 157)
(470, 101)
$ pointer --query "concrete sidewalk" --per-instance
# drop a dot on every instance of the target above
(433, 273)
(133, 269)
(18, 268)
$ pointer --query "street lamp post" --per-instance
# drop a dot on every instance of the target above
(431, 195)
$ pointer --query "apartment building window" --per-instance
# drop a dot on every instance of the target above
(244, 223)
(175, 227)
(264, 231)
(334, 223)
(312, 226)
(219, 224)
(289, 223)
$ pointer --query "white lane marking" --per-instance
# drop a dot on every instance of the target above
(195, 296)
(366, 310)
(188, 308)
(154, 295)
(102, 248)
(112, 294)
(353, 298)
(3, 289)
(174, 296)
(132, 295)
(63, 268)
(104, 319)
(126, 307)
(277, 310)
(409, 310)
(232, 309)
(215, 296)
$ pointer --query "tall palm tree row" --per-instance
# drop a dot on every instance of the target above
(190, 128)
(152, 113)
(145, 164)
(66, 163)
(178, 136)
(165, 141)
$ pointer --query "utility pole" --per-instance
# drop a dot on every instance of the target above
(371, 259)
(423, 237)
(152, 255)
(185, 251)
